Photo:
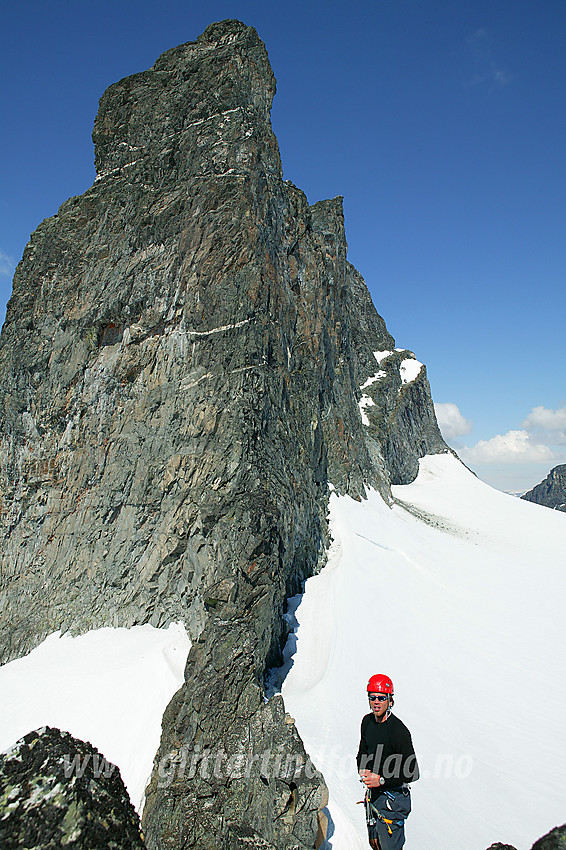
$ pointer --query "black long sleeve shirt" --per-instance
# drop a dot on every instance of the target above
(387, 749)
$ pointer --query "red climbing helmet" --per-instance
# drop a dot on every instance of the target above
(380, 684)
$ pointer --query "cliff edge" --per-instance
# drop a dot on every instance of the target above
(188, 361)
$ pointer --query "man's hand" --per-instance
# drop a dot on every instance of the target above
(370, 780)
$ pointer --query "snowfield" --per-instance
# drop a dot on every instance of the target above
(457, 593)
(108, 686)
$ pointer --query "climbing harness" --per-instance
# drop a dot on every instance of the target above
(389, 822)
(372, 814)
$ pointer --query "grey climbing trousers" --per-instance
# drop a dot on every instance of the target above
(388, 814)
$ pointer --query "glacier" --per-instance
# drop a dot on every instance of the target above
(456, 591)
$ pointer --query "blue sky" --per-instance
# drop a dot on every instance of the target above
(441, 122)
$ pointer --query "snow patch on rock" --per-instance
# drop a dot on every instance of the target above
(410, 370)
(363, 403)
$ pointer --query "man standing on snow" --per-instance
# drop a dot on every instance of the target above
(386, 764)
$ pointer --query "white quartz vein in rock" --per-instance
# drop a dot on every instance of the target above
(219, 329)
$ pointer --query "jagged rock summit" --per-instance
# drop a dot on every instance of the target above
(188, 361)
(552, 491)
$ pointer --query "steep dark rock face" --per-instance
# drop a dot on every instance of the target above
(57, 791)
(552, 491)
(187, 361)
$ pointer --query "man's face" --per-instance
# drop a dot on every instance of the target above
(379, 703)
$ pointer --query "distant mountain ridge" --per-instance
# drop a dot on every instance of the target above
(552, 491)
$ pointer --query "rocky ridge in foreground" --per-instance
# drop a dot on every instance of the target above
(553, 840)
(57, 791)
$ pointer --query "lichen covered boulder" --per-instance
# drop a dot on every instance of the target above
(57, 791)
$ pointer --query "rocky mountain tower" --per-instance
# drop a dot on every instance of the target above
(188, 360)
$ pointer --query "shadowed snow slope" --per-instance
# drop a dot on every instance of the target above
(457, 593)
(109, 687)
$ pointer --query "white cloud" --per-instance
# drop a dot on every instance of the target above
(485, 69)
(499, 77)
(450, 421)
(6, 265)
(549, 425)
(512, 447)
